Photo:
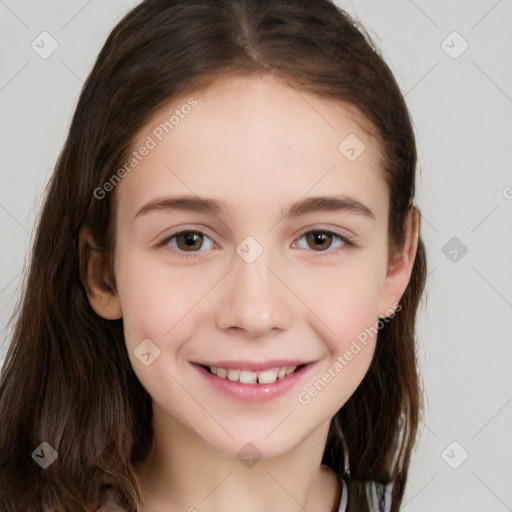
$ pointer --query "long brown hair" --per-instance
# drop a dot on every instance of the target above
(67, 379)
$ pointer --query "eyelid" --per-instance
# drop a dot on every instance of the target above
(331, 230)
(187, 229)
(349, 242)
(167, 238)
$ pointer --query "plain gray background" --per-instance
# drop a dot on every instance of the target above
(461, 102)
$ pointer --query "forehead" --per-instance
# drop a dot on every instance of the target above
(255, 139)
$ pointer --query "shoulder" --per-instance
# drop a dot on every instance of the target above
(110, 501)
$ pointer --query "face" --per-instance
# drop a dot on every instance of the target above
(262, 278)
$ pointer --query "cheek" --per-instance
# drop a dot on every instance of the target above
(156, 302)
(344, 304)
(348, 326)
(153, 297)
(345, 298)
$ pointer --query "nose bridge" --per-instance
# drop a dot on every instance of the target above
(253, 298)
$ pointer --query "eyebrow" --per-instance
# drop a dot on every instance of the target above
(312, 204)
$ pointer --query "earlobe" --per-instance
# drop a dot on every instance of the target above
(399, 273)
(102, 297)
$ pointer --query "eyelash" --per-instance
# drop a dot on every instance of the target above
(348, 243)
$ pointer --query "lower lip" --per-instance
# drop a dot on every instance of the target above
(254, 392)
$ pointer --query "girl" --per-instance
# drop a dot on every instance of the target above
(220, 308)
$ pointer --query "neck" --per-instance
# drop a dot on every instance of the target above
(184, 472)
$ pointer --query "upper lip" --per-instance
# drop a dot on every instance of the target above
(253, 365)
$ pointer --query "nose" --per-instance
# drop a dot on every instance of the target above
(253, 299)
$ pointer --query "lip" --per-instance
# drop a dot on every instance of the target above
(254, 392)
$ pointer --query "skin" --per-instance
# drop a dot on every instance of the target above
(260, 145)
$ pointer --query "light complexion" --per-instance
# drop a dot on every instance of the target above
(257, 147)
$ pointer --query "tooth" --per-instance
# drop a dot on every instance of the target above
(222, 373)
(248, 377)
(233, 375)
(267, 377)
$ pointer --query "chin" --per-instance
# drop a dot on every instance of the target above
(252, 445)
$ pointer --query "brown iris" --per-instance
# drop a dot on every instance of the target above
(319, 238)
(192, 240)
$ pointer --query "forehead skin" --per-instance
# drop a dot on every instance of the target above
(259, 144)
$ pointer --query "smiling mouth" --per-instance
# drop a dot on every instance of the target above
(253, 377)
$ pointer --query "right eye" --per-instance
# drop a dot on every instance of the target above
(186, 241)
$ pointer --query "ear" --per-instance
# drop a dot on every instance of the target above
(101, 294)
(399, 272)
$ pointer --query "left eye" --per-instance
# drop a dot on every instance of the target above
(324, 240)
